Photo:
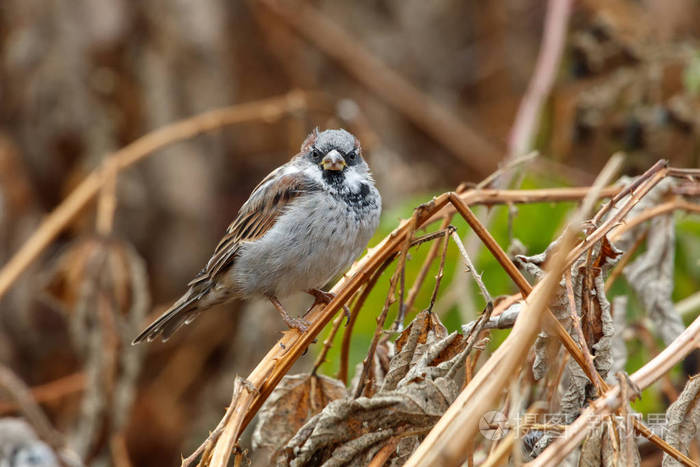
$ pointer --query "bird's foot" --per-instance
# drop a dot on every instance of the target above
(296, 323)
(325, 297)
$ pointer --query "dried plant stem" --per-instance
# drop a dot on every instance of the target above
(241, 400)
(107, 200)
(677, 204)
(118, 448)
(660, 165)
(268, 109)
(384, 453)
(649, 181)
(441, 269)
(489, 197)
(472, 270)
(610, 400)
(423, 273)
(327, 343)
(628, 431)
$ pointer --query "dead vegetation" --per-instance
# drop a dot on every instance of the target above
(553, 392)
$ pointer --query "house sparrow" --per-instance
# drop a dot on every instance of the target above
(303, 225)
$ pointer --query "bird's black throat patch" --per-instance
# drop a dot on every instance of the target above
(341, 190)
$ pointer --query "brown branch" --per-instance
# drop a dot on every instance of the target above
(107, 200)
(658, 210)
(243, 395)
(426, 113)
(268, 109)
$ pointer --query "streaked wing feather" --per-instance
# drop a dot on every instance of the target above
(256, 217)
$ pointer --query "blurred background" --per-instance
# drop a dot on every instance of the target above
(431, 89)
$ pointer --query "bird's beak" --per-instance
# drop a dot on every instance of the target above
(333, 161)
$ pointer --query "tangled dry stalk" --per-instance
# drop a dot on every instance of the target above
(449, 441)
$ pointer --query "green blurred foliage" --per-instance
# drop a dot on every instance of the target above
(536, 226)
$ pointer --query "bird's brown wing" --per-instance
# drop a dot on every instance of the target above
(268, 200)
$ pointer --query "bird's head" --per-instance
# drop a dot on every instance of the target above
(337, 155)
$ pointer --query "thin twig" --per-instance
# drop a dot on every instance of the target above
(229, 437)
(347, 334)
(472, 270)
(624, 411)
(441, 270)
(423, 273)
(658, 210)
(327, 343)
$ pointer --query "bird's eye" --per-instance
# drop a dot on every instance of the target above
(316, 155)
(351, 156)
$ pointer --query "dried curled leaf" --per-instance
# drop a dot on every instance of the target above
(599, 448)
(421, 383)
(683, 420)
(294, 401)
(594, 312)
(651, 278)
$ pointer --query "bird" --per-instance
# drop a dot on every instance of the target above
(303, 225)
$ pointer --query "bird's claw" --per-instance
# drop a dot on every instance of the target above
(325, 297)
(299, 324)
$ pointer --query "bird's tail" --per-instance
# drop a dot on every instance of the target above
(184, 311)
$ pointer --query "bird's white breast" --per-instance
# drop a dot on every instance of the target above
(315, 239)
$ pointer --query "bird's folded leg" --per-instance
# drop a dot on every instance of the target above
(296, 323)
(325, 297)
